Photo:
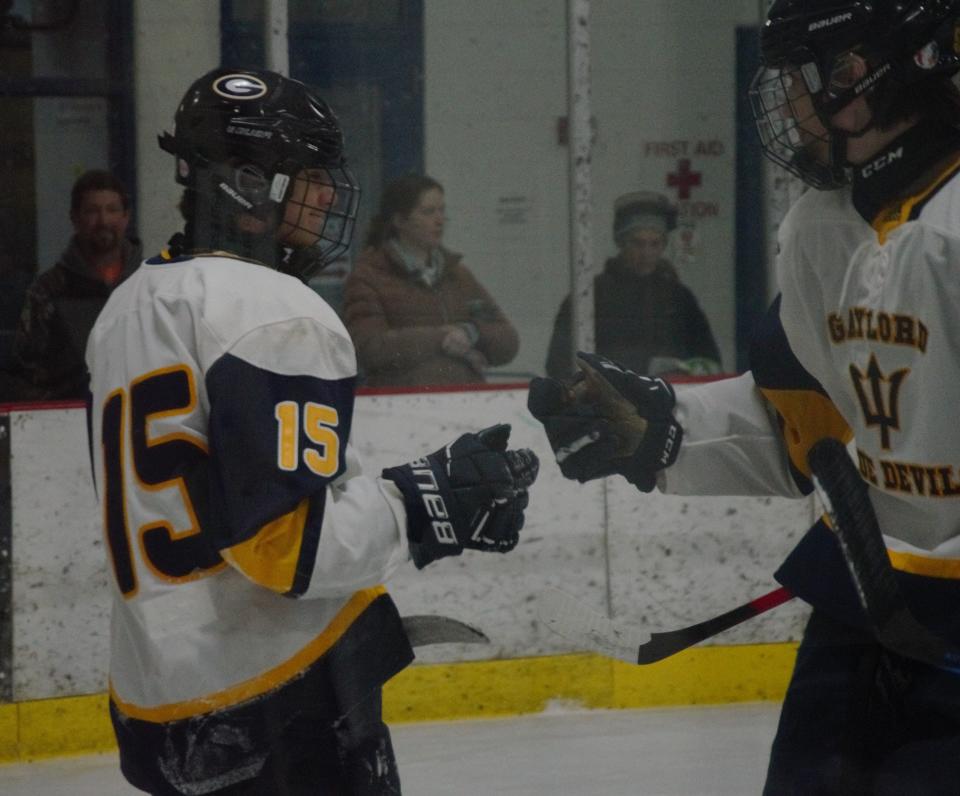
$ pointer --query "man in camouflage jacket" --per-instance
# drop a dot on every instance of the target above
(63, 302)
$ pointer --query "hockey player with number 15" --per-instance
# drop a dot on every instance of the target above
(250, 634)
(862, 345)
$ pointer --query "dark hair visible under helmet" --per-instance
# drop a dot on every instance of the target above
(908, 47)
(241, 139)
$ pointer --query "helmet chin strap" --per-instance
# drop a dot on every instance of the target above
(302, 263)
(839, 144)
(820, 175)
(838, 153)
(833, 173)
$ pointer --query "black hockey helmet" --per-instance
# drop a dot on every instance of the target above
(806, 47)
(253, 141)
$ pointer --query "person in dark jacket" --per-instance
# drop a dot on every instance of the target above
(416, 313)
(63, 302)
(644, 316)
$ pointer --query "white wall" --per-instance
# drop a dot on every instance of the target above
(664, 90)
(495, 85)
(176, 41)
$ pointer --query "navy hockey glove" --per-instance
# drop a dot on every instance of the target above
(469, 494)
(608, 420)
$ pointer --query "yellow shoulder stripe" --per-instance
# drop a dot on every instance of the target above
(899, 212)
(923, 565)
(808, 416)
(927, 566)
(270, 558)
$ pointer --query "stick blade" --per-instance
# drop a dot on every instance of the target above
(566, 616)
(423, 630)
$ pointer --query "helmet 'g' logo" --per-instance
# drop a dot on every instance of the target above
(240, 87)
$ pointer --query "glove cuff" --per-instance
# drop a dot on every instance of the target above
(430, 530)
(660, 446)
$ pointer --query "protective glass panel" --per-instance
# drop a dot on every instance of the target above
(495, 104)
(476, 97)
(65, 38)
(55, 58)
(453, 116)
(672, 171)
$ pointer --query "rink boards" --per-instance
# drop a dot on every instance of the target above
(665, 561)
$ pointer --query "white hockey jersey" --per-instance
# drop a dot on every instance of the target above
(867, 352)
(222, 399)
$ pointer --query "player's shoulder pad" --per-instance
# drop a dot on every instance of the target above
(272, 320)
(818, 208)
(818, 227)
(164, 258)
(942, 208)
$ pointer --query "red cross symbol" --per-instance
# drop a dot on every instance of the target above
(684, 179)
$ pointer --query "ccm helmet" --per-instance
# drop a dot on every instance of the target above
(253, 142)
(807, 49)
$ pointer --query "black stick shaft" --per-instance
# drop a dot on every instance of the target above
(855, 523)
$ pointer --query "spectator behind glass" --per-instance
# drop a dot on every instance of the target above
(416, 314)
(64, 301)
(644, 316)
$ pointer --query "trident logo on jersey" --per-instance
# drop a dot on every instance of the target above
(881, 404)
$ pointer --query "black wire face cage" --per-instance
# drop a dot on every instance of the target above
(317, 217)
(784, 103)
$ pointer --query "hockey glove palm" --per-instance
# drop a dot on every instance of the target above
(608, 420)
(470, 494)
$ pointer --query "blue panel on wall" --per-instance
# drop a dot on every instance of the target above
(343, 54)
(750, 267)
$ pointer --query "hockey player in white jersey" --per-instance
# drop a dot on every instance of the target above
(863, 346)
(250, 634)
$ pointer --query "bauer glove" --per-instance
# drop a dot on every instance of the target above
(608, 420)
(469, 494)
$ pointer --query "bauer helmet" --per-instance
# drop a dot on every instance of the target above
(255, 143)
(806, 77)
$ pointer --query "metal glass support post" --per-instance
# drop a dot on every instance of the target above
(6, 566)
(580, 127)
(581, 187)
(276, 25)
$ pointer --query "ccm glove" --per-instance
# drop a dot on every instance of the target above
(608, 420)
(469, 494)
(581, 438)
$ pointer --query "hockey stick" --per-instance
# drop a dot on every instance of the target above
(571, 619)
(847, 501)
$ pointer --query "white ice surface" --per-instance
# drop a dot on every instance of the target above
(718, 751)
